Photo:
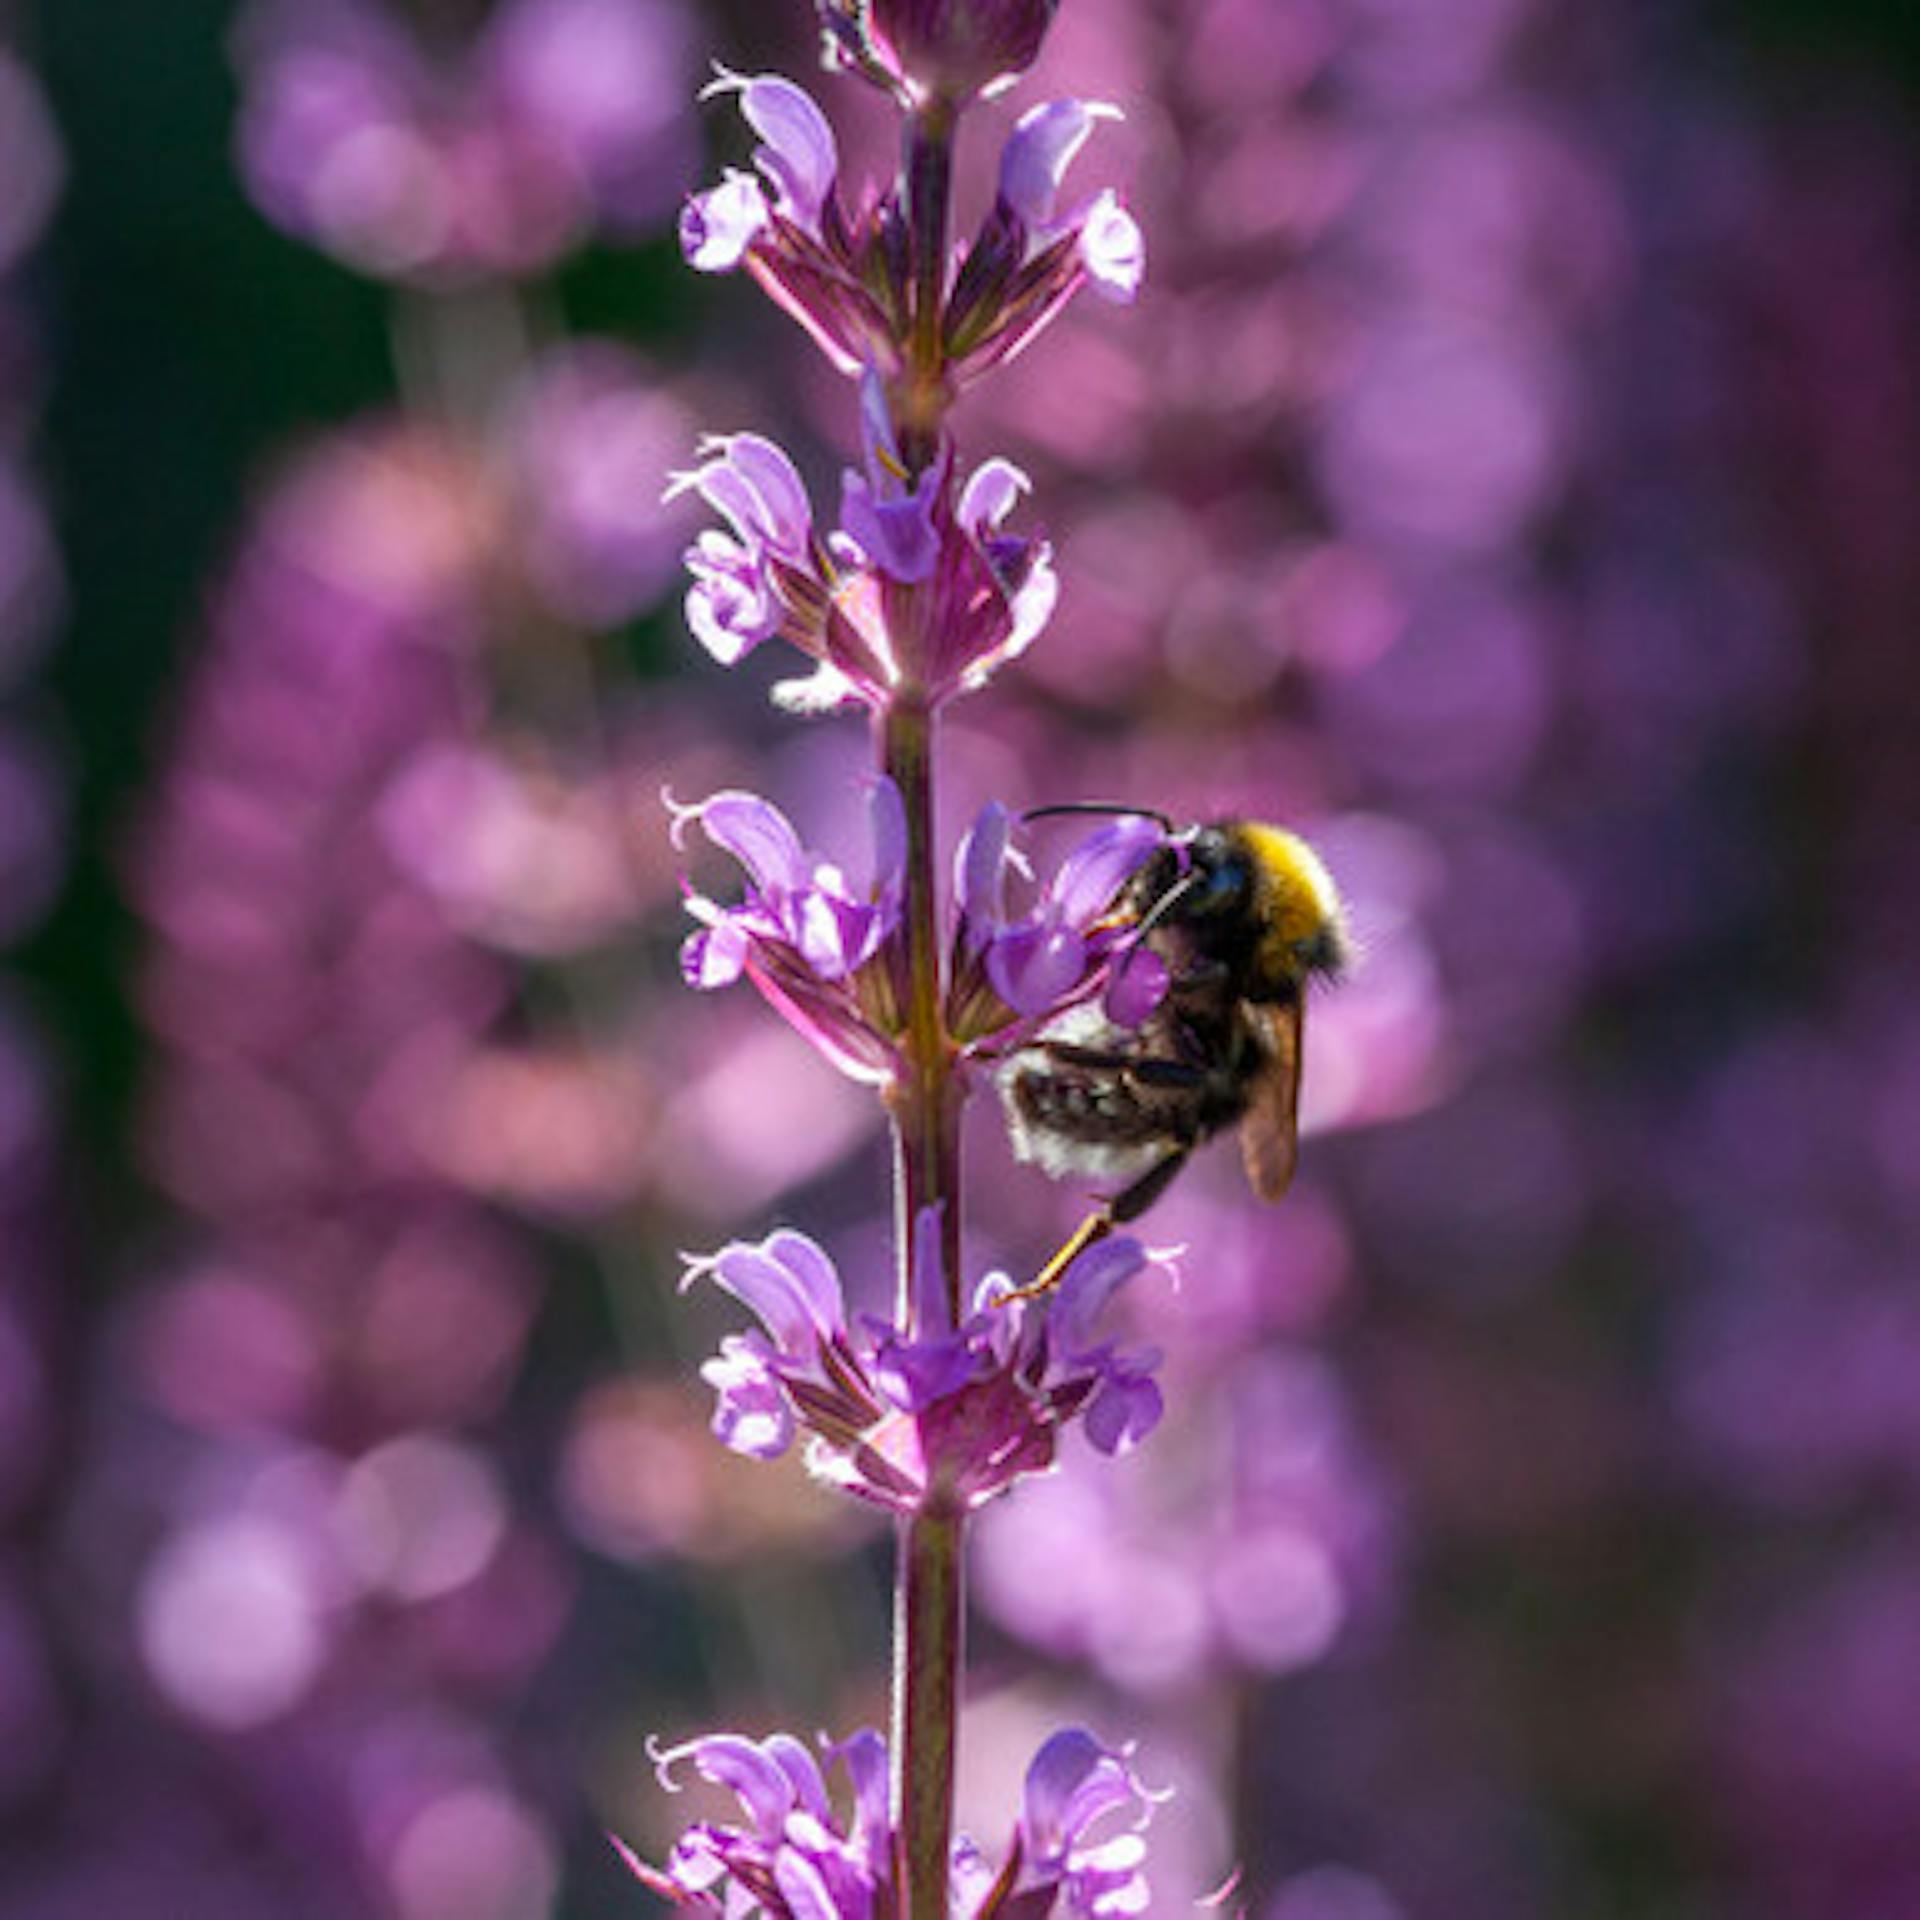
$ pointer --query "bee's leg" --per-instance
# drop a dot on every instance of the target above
(1133, 1201)
(1089, 1233)
(1127, 1205)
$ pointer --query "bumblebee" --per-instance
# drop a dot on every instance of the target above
(1243, 916)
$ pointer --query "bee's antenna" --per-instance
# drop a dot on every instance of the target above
(1154, 915)
(1163, 821)
(1166, 904)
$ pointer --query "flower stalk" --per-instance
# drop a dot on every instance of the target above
(929, 1624)
(927, 188)
(919, 596)
(929, 1604)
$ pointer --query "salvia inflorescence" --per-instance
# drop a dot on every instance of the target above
(922, 583)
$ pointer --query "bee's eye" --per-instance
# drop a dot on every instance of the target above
(1220, 889)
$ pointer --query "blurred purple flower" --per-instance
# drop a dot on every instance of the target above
(1292, 1544)
(602, 81)
(797, 1856)
(499, 160)
(32, 587)
(592, 439)
(941, 1421)
(821, 951)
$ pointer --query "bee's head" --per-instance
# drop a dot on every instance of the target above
(1198, 881)
(1216, 876)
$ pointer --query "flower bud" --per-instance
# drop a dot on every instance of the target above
(953, 49)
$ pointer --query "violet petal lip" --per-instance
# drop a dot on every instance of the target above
(1073, 1782)
(1112, 249)
(759, 836)
(798, 1299)
(980, 871)
(1038, 152)
(719, 226)
(992, 491)
(1035, 966)
(1095, 871)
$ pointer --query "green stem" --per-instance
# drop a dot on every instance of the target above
(929, 1623)
(925, 1105)
(929, 1603)
(928, 188)
(925, 1101)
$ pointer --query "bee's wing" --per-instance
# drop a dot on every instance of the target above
(1270, 1130)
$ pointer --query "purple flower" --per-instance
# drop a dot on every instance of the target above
(940, 1421)
(747, 583)
(786, 226)
(1028, 260)
(889, 518)
(602, 82)
(1012, 973)
(820, 950)
(496, 160)
(589, 440)
(913, 590)
(1033, 164)
(794, 1853)
(1072, 1787)
(842, 268)
(799, 1852)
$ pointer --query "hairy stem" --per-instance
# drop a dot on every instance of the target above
(929, 1623)
(925, 1101)
(929, 1608)
(928, 190)
(925, 1105)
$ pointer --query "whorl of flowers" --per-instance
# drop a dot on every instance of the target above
(910, 1423)
(796, 1853)
(828, 955)
(843, 272)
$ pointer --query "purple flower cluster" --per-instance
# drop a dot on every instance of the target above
(562, 116)
(315, 1008)
(919, 588)
(943, 1421)
(826, 953)
(1076, 1850)
(842, 272)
